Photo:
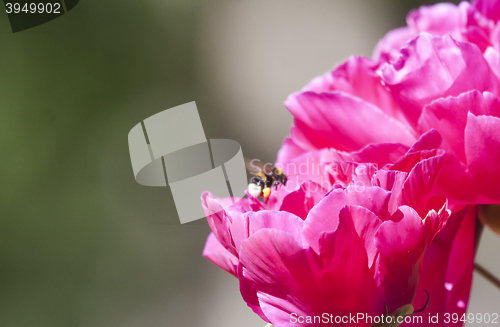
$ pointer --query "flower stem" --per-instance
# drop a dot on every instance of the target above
(486, 274)
(477, 267)
(479, 231)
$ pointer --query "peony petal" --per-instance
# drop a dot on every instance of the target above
(249, 295)
(449, 117)
(344, 255)
(439, 19)
(489, 8)
(462, 22)
(392, 180)
(277, 269)
(492, 56)
(482, 149)
(436, 67)
(447, 267)
(428, 141)
(424, 148)
(435, 221)
(290, 279)
(401, 243)
(324, 217)
(328, 166)
(387, 49)
(407, 162)
(455, 183)
(301, 201)
(357, 76)
(372, 198)
(302, 140)
(380, 154)
(310, 167)
(420, 182)
(344, 122)
(246, 225)
(477, 36)
(218, 220)
(216, 253)
(461, 263)
(288, 151)
(366, 224)
(477, 20)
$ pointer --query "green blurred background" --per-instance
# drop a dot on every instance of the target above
(81, 243)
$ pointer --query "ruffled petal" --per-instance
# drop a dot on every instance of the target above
(401, 243)
(277, 270)
(357, 76)
(248, 294)
(449, 117)
(380, 154)
(492, 56)
(482, 149)
(344, 122)
(218, 220)
(324, 217)
(430, 140)
(391, 180)
(301, 201)
(420, 182)
(387, 49)
(216, 253)
(288, 151)
(366, 224)
(288, 278)
(447, 267)
(436, 67)
(489, 8)
(246, 225)
(439, 19)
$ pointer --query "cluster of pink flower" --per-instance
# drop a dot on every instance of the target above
(425, 111)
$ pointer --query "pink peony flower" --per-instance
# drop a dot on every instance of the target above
(446, 85)
(440, 73)
(347, 250)
(436, 83)
(466, 22)
(430, 94)
(346, 109)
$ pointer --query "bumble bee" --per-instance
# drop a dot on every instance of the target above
(261, 183)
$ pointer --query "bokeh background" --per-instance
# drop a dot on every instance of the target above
(81, 243)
